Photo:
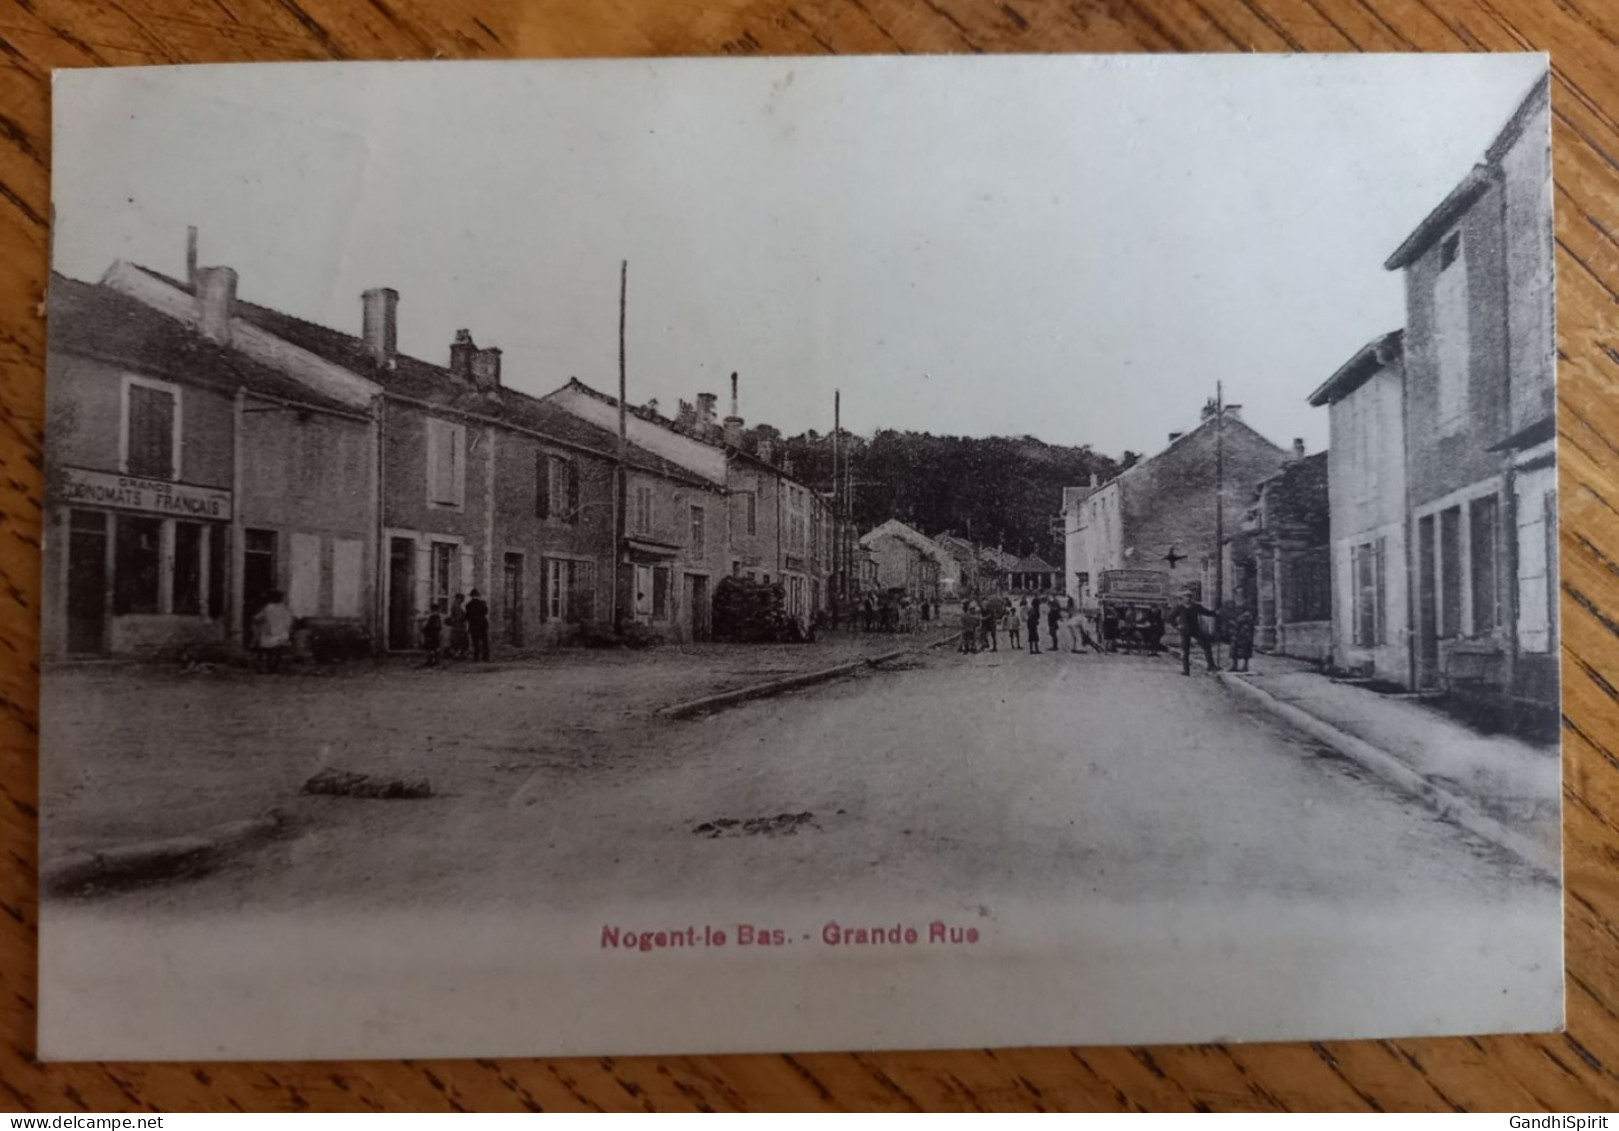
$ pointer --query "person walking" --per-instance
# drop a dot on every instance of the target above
(1053, 619)
(1189, 622)
(458, 628)
(1032, 620)
(272, 633)
(478, 626)
(1242, 638)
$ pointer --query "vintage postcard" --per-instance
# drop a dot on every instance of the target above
(784, 554)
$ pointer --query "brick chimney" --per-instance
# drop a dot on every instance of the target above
(736, 407)
(1298, 447)
(486, 369)
(191, 257)
(1233, 412)
(216, 300)
(380, 324)
(461, 351)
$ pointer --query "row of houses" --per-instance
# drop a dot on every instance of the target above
(949, 567)
(206, 451)
(1420, 549)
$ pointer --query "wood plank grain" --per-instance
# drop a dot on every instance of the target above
(1575, 1070)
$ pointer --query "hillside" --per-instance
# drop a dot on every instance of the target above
(999, 490)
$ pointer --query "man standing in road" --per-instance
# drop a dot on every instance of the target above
(477, 610)
(1053, 619)
(1190, 616)
(1033, 623)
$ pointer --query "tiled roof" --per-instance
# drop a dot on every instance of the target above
(1034, 563)
(1381, 351)
(91, 320)
(423, 381)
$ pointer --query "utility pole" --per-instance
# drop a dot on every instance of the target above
(620, 479)
(1219, 494)
(837, 510)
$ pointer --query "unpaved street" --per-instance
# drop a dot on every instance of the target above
(1053, 776)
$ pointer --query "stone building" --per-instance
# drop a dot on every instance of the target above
(1160, 514)
(1278, 563)
(1480, 426)
(906, 559)
(1366, 487)
(186, 479)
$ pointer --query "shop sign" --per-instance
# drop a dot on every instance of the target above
(154, 496)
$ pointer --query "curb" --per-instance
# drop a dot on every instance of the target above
(789, 683)
(1447, 804)
(157, 859)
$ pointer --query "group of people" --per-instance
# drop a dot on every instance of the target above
(983, 621)
(888, 613)
(468, 624)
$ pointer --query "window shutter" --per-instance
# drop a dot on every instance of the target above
(542, 485)
(573, 491)
(1382, 599)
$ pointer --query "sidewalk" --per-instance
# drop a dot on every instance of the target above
(1496, 785)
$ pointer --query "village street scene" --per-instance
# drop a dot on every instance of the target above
(330, 625)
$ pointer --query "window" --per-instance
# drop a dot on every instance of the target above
(347, 558)
(699, 533)
(643, 509)
(1452, 343)
(303, 574)
(151, 429)
(1482, 534)
(750, 505)
(186, 583)
(442, 580)
(138, 557)
(569, 590)
(1450, 249)
(1450, 571)
(556, 490)
(1367, 571)
(446, 463)
(660, 592)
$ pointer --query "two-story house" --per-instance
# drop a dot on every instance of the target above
(189, 478)
(1480, 424)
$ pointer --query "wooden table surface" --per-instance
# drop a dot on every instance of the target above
(1571, 1071)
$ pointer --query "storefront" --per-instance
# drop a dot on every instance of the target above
(146, 564)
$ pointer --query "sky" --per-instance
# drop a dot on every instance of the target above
(1074, 248)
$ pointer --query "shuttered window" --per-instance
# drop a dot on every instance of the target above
(149, 431)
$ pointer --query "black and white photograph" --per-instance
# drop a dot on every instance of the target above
(776, 554)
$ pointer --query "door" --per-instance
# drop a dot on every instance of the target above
(401, 594)
(511, 599)
(87, 582)
(1427, 606)
(258, 575)
(697, 601)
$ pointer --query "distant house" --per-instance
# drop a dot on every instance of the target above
(995, 568)
(1278, 563)
(1479, 423)
(1366, 487)
(906, 559)
(1034, 574)
(960, 574)
(1161, 513)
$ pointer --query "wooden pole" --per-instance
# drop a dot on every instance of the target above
(620, 488)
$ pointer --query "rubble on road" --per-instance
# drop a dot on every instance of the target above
(342, 783)
(783, 824)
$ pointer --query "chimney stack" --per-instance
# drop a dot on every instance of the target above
(216, 298)
(1173, 436)
(1095, 481)
(736, 409)
(380, 324)
(191, 257)
(733, 431)
(486, 369)
(766, 450)
(1233, 411)
(706, 418)
(461, 351)
(1298, 447)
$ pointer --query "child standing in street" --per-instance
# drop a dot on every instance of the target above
(433, 635)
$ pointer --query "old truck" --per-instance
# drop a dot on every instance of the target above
(1131, 608)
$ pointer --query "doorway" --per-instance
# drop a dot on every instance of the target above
(401, 594)
(87, 582)
(697, 601)
(1427, 606)
(258, 575)
(511, 598)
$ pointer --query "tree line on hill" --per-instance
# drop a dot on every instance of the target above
(1003, 491)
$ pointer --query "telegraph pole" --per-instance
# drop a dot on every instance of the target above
(620, 488)
(837, 509)
(1219, 494)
